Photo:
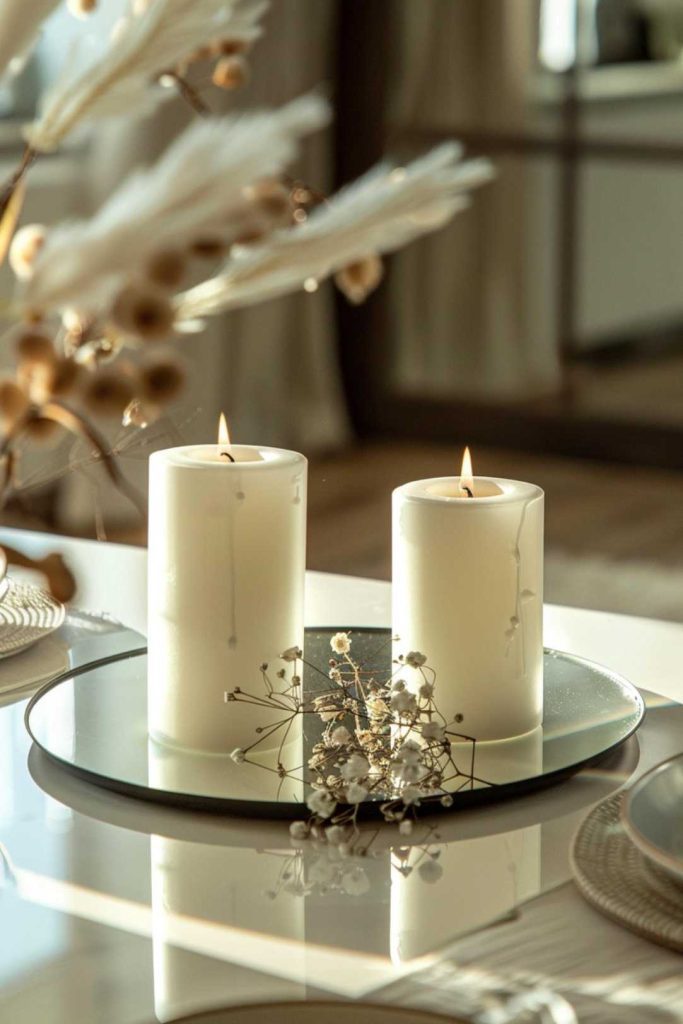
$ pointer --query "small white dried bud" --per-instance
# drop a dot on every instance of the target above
(298, 830)
(355, 882)
(238, 756)
(357, 767)
(406, 827)
(339, 737)
(341, 643)
(415, 659)
(355, 793)
(432, 731)
(24, 249)
(291, 654)
(403, 702)
(321, 803)
(336, 834)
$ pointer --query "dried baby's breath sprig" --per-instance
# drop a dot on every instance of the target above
(382, 740)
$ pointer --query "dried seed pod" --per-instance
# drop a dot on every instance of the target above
(81, 8)
(162, 381)
(34, 347)
(13, 404)
(272, 198)
(60, 579)
(230, 73)
(24, 249)
(143, 311)
(167, 269)
(67, 375)
(231, 47)
(209, 248)
(108, 392)
(40, 429)
(360, 278)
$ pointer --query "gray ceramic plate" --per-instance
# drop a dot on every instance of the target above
(653, 816)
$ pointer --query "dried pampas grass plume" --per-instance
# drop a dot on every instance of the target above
(119, 81)
(20, 21)
(382, 211)
(194, 191)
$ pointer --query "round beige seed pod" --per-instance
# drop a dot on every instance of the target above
(231, 47)
(230, 73)
(13, 404)
(81, 8)
(66, 377)
(34, 347)
(40, 429)
(167, 269)
(273, 199)
(143, 311)
(24, 249)
(208, 248)
(162, 381)
(360, 278)
(108, 392)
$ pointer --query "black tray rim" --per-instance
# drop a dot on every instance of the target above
(290, 810)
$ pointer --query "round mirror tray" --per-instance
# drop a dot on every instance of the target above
(93, 722)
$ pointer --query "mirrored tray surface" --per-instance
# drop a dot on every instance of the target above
(93, 722)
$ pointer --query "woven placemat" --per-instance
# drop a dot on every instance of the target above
(27, 614)
(615, 877)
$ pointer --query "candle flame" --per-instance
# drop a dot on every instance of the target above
(466, 476)
(223, 432)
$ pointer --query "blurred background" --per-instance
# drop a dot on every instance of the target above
(544, 328)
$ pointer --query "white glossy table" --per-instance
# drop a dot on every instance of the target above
(117, 911)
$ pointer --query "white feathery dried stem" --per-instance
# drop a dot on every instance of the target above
(121, 80)
(20, 22)
(382, 211)
(196, 188)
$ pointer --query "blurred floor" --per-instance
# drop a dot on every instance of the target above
(614, 533)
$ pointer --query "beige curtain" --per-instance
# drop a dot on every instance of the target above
(473, 308)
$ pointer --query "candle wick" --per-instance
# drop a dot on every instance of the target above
(227, 455)
(468, 492)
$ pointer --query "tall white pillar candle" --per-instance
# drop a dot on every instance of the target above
(227, 546)
(468, 593)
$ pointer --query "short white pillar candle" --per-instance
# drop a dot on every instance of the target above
(468, 593)
(227, 541)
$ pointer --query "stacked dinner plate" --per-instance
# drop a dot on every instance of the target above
(628, 856)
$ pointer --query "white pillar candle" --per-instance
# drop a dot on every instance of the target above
(468, 593)
(227, 544)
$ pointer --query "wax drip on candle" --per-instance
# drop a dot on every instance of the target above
(466, 477)
(224, 438)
